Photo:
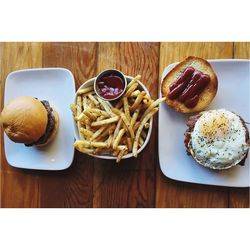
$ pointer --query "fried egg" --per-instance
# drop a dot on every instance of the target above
(219, 139)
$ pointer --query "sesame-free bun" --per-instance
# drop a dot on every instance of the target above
(24, 119)
(54, 132)
(207, 94)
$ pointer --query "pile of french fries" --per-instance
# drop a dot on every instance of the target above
(118, 128)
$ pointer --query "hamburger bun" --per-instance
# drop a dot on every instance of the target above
(24, 119)
(30, 121)
(205, 97)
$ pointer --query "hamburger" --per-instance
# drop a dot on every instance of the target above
(30, 121)
(190, 86)
(217, 139)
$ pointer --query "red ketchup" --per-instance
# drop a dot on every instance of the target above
(188, 87)
(110, 86)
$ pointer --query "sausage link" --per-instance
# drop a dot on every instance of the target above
(188, 72)
(178, 90)
(190, 103)
(197, 87)
(183, 97)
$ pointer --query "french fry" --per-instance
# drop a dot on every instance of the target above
(85, 90)
(84, 150)
(91, 92)
(105, 121)
(98, 151)
(135, 93)
(106, 133)
(119, 105)
(83, 119)
(73, 109)
(138, 133)
(136, 126)
(109, 140)
(115, 152)
(98, 132)
(89, 114)
(134, 118)
(122, 147)
(137, 102)
(106, 107)
(99, 112)
(126, 108)
(86, 132)
(92, 98)
(118, 126)
(131, 89)
(129, 143)
(152, 106)
(120, 155)
(78, 112)
(147, 103)
(125, 120)
(137, 78)
(111, 129)
(85, 143)
(118, 138)
(82, 137)
(85, 103)
(78, 105)
(100, 118)
(147, 125)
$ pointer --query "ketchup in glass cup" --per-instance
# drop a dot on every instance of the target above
(110, 84)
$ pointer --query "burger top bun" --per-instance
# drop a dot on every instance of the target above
(24, 119)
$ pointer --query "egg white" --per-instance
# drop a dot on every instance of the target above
(218, 139)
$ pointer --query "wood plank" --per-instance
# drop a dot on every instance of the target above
(132, 183)
(20, 190)
(17, 186)
(242, 50)
(174, 52)
(239, 197)
(170, 193)
(72, 187)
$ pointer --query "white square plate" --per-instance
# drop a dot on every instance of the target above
(57, 86)
(233, 95)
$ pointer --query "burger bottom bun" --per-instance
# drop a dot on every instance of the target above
(54, 132)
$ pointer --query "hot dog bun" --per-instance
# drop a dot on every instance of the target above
(205, 97)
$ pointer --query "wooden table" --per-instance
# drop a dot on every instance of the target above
(92, 182)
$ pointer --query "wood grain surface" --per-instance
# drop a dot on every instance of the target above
(97, 183)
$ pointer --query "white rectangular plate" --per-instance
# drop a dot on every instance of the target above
(57, 86)
(233, 95)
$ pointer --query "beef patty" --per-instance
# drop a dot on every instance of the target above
(49, 128)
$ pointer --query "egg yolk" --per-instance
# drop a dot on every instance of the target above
(216, 127)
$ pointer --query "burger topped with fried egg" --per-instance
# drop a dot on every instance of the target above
(217, 139)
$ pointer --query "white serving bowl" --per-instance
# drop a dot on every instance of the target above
(111, 157)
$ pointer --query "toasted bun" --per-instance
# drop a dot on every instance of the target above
(24, 119)
(54, 132)
(207, 94)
